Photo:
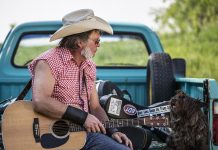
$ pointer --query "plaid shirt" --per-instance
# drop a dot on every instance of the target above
(69, 85)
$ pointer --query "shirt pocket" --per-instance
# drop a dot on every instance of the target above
(68, 79)
(67, 83)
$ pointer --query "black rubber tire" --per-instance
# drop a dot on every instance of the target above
(160, 78)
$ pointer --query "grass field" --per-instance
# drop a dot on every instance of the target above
(200, 52)
(113, 53)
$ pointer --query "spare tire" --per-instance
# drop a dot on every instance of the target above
(160, 78)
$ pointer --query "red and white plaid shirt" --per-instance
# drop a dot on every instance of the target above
(69, 85)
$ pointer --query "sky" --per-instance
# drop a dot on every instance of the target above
(132, 11)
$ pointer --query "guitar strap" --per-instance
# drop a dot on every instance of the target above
(24, 91)
(85, 82)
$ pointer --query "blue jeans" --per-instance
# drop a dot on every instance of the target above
(99, 141)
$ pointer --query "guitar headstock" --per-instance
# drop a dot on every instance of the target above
(156, 121)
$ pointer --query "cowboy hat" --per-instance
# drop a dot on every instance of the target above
(80, 21)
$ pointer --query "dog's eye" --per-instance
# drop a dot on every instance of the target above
(173, 99)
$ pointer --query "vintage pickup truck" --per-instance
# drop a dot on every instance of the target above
(122, 59)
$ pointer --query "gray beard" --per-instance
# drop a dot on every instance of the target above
(86, 52)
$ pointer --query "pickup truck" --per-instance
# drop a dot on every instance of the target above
(122, 58)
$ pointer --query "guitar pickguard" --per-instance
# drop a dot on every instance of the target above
(49, 141)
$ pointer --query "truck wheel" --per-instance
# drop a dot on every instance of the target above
(160, 78)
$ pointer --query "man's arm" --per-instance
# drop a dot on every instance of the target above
(42, 90)
(95, 107)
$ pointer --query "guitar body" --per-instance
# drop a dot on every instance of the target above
(22, 128)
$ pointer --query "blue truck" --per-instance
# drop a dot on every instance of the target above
(126, 58)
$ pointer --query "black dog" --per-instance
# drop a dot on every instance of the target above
(188, 123)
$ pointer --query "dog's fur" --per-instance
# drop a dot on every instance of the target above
(188, 123)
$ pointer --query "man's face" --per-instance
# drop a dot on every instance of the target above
(92, 44)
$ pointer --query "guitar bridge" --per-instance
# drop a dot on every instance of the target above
(36, 131)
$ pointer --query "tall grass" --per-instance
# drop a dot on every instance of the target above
(121, 53)
(200, 51)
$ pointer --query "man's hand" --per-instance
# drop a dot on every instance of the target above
(122, 138)
(92, 124)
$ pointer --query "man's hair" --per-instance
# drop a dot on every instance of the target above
(70, 41)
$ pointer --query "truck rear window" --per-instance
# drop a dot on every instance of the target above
(118, 50)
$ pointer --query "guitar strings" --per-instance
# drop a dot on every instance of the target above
(70, 127)
(62, 128)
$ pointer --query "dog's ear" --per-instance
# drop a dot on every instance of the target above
(202, 104)
(179, 92)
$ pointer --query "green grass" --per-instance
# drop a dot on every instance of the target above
(200, 52)
(26, 54)
(118, 53)
(131, 52)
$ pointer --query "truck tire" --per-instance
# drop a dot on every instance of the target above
(160, 78)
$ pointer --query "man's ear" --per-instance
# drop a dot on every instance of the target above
(80, 44)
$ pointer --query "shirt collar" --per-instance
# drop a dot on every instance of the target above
(86, 63)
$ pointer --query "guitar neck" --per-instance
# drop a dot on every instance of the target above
(148, 121)
(115, 123)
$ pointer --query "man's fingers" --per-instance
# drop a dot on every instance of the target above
(130, 144)
(117, 137)
(88, 129)
(102, 128)
(122, 138)
(97, 128)
(93, 128)
(127, 141)
(92, 124)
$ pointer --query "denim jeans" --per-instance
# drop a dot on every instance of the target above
(99, 141)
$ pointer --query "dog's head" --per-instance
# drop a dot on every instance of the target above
(184, 105)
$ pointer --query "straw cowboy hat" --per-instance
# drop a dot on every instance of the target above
(80, 21)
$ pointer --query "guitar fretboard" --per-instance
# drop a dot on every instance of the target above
(114, 123)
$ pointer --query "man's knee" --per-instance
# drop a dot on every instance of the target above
(100, 141)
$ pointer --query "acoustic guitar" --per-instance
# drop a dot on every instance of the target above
(23, 128)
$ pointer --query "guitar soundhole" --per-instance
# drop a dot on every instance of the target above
(60, 128)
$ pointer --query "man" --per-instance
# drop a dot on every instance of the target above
(64, 80)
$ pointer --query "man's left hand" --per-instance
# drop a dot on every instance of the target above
(122, 138)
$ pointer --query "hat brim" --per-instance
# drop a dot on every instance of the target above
(82, 26)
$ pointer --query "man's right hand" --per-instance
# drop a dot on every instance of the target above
(92, 124)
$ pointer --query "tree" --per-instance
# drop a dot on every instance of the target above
(188, 15)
